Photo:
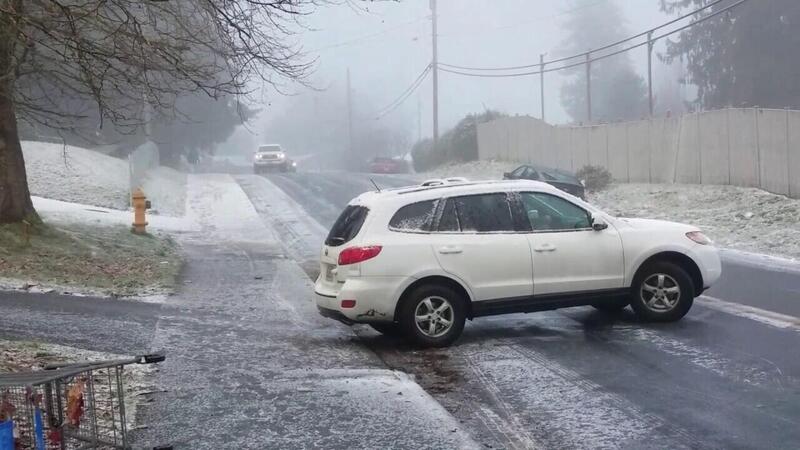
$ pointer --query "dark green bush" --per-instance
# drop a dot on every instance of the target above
(596, 178)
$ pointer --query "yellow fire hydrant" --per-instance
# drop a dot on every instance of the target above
(140, 204)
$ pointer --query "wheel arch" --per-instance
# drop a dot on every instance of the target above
(440, 280)
(681, 260)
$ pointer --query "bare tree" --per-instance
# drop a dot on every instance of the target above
(119, 59)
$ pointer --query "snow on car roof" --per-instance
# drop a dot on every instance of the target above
(410, 194)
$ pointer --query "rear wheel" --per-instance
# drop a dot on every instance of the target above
(433, 316)
(662, 292)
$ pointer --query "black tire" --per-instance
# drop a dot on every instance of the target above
(652, 309)
(455, 314)
(387, 328)
(611, 306)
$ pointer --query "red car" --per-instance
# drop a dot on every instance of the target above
(388, 165)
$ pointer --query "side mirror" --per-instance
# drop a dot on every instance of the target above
(506, 175)
(598, 223)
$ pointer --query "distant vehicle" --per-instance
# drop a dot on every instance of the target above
(272, 157)
(418, 261)
(388, 165)
(563, 180)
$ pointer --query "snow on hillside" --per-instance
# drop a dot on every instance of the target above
(75, 174)
(739, 218)
(745, 219)
(78, 175)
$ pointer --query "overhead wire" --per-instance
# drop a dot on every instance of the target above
(405, 95)
(579, 55)
(446, 68)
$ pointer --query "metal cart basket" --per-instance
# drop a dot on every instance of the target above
(73, 406)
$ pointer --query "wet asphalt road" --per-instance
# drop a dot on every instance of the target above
(578, 378)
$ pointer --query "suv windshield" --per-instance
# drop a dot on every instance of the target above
(347, 225)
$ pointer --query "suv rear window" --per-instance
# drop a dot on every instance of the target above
(347, 225)
(414, 217)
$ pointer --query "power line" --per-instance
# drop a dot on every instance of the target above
(365, 37)
(446, 68)
(405, 95)
(583, 55)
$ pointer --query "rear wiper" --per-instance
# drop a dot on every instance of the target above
(336, 240)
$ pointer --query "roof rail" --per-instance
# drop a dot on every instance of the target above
(444, 181)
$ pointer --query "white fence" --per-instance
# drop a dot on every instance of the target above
(742, 147)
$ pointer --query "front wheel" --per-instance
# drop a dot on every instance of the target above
(662, 292)
(433, 316)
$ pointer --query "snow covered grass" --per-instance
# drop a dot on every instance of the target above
(75, 174)
(745, 219)
(78, 175)
(87, 259)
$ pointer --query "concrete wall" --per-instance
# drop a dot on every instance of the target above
(742, 147)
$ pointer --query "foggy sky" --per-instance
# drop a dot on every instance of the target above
(387, 44)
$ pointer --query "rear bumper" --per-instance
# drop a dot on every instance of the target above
(335, 315)
(376, 299)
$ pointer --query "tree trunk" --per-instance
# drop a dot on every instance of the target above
(15, 198)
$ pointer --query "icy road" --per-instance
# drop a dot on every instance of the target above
(252, 365)
(726, 376)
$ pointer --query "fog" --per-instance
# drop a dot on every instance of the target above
(385, 46)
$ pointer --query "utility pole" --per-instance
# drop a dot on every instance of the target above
(349, 119)
(589, 87)
(435, 68)
(650, 70)
(541, 81)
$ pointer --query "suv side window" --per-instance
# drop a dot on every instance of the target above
(547, 212)
(484, 213)
(414, 217)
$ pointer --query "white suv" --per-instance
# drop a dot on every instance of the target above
(420, 260)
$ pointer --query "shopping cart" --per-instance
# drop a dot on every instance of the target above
(73, 406)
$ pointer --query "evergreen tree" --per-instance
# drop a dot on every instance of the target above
(618, 92)
(745, 57)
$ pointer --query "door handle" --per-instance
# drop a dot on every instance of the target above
(450, 250)
(545, 248)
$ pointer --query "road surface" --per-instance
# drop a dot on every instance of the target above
(727, 376)
(250, 364)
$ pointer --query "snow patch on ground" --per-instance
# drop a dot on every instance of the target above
(743, 219)
(65, 212)
(738, 218)
(78, 175)
(75, 174)
(166, 189)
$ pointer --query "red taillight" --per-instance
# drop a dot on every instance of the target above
(347, 304)
(355, 255)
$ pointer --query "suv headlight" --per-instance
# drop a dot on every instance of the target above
(699, 237)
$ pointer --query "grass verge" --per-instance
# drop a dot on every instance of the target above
(88, 259)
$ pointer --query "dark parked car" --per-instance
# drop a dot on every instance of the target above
(388, 165)
(565, 181)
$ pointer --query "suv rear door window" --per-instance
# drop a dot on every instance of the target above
(414, 217)
(347, 225)
(484, 213)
